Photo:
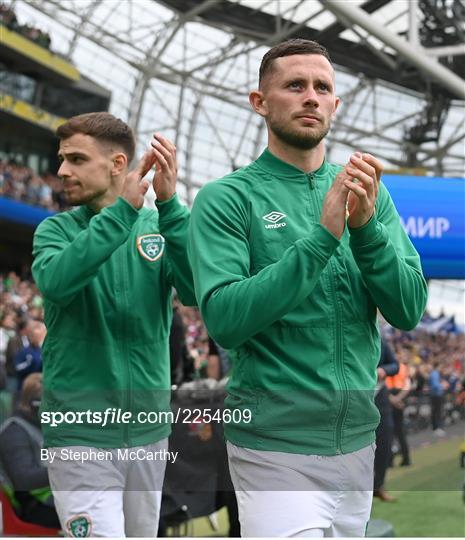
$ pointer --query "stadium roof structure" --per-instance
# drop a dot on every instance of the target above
(185, 68)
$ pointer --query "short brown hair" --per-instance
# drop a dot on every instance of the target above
(288, 48)
(102, 126)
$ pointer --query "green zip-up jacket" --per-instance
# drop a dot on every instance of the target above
(107, 283)
(297, 307)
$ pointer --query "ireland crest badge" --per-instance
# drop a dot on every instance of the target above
(151, 246)
(79, 526)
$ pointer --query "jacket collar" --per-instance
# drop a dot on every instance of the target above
(278, 167)
(86, 212)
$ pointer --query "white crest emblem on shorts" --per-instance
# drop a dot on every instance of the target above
(151, 246)
(79, 526)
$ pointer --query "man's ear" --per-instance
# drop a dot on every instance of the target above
(336, 105)
(258, 102)
(120, 163)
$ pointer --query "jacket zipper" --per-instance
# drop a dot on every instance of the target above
(311, 179)
(341, 380)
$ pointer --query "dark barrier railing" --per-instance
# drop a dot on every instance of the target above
(417, 412)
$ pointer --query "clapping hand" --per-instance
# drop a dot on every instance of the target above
(365, 172)
(164, 181)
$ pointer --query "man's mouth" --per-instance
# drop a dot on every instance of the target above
(310, 118)
(70, 187)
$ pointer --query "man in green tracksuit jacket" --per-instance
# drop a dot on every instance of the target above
(106, 270)
(292, 256)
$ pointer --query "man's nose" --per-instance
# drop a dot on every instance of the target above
(63, 171)
(311, 97)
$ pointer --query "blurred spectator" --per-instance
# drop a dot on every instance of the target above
(29, 359)
(436, 389)
(182, 366)
(19, 303)
(451, 378)
(196, 340)
(419, 377)
(27, 483)
(8, 18)
(16, 343)
(460, 400)
(7, 331)
(19, 296)
(214, 361)
(219, 363)
(22, 184)
(399, 388)
(387, 366)
(55, 187)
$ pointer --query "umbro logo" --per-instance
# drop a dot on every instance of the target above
(274, 218)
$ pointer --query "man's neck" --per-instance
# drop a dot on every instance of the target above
(102, 202)
(108, 198)
(306, 160)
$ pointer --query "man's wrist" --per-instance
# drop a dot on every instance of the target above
(163, 201)
(366, 234)
(165, 196)
(359, 225)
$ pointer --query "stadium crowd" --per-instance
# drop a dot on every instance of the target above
(8, 18)
(435, 360)
(422, 348)
(23, 184)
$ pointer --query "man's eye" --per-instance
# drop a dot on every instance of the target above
(77, 159)
(324, 87)
(295, 85)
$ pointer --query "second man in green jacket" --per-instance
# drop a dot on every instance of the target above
(106, 270)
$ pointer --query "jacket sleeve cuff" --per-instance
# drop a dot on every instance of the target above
(366, 234)
(323, 243)
(123, 212)
(170, 209)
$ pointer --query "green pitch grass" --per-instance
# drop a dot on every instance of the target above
(429, 494)
(429, 497)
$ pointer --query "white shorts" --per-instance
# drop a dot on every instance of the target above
(107, 495)
(295, 495)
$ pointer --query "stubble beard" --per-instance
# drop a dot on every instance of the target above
(77, 200)
(300, 140)
(81, 200)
